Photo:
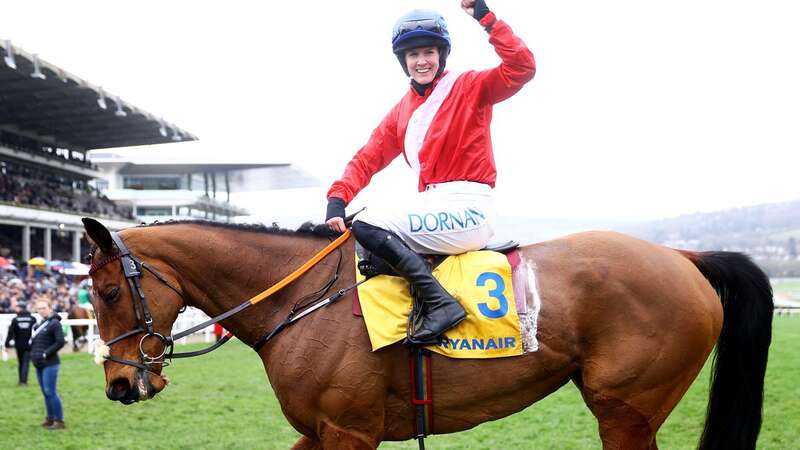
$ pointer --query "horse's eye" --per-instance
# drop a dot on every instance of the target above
(111, 295)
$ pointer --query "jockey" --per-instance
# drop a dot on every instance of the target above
(441, 126)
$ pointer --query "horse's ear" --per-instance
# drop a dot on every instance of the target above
(99, 234)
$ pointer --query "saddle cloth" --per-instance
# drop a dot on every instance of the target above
(481, 281)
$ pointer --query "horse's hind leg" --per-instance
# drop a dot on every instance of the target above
(629, 412)
(621, 426)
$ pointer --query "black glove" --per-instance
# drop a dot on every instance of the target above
(481, 10)
(335, 208)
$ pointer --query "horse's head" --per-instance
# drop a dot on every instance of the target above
(134, 315)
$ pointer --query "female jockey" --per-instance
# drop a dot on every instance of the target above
(442, 128)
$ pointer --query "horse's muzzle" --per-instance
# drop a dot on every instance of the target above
(121, 390)
(145, 386)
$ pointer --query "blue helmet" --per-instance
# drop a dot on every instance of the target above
(421, 28)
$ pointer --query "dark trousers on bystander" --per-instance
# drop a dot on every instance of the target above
(24, 362)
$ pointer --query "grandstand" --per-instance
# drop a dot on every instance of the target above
(186, 183)
(49, 120)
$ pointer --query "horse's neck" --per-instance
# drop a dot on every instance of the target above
(223, 268)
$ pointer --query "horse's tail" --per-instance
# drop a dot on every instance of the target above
(736, 395)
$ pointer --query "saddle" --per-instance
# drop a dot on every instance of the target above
(371, 265)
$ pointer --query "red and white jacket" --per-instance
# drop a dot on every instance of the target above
(457, 144)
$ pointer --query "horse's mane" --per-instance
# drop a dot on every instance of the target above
(307, 229)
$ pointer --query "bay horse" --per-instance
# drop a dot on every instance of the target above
(78, 331)
(629, 322)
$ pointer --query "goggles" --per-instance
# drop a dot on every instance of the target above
(431, 25)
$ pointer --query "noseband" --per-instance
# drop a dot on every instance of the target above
(133, 273)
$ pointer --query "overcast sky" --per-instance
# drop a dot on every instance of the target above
(638, 110)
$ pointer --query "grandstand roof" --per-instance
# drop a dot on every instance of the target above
(157, 169)
(48, 103)
(198, 157)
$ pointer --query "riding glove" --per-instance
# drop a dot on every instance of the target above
(335, 208)
(481, 10)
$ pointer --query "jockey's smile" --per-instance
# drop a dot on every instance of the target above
(423, 64)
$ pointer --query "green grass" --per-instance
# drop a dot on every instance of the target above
(223, 400)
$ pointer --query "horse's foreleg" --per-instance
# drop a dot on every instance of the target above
(337, 438)
(306, 443)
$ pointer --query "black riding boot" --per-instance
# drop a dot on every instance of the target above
(440, 310)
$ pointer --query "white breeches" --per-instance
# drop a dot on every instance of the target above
(447, 218)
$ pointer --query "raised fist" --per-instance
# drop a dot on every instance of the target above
(469, 7)
(475, 8)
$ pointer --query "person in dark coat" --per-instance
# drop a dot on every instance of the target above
(19, 336)
(46, 340)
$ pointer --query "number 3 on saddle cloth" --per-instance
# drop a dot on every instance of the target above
(491, 287)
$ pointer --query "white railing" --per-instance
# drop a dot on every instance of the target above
(188, 319)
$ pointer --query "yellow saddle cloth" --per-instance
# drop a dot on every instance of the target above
(480, 281)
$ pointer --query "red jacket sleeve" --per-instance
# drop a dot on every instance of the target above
(517, 67)
(380, 150)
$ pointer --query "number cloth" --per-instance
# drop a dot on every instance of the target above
(481, 281)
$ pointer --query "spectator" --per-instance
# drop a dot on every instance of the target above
(14, 290)
(19, 335)
(84, 297)
(46, 341)
(37, 187)
(218, 331)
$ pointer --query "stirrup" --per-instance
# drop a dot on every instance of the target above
(436, 339)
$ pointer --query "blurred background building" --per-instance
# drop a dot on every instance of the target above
(69, 149)
(187, 186)
(49, 120)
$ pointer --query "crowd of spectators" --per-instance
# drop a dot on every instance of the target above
(27, 186)
(15, 289)
(33, 147)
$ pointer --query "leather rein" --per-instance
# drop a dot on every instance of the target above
(133, 268)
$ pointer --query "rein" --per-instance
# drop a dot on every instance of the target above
(133, 273)
(294, 316)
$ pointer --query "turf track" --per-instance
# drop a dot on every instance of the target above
(223, 400)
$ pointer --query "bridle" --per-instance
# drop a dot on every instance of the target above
(133, 274)
(133, 267)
